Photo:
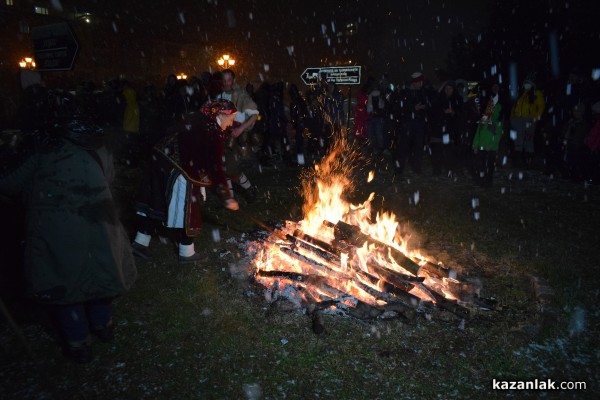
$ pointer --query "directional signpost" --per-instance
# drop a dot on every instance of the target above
(341, 75)
(54, 47)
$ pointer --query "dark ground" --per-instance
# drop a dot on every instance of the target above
(207, 332)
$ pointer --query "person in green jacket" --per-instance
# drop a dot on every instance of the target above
(77, 254)
(487, 137)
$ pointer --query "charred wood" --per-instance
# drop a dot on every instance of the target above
(317, 323)
(294, 276)
(438, 270)
(485, 303)
(314, 264)
(316, 250)
(407, 312)
(299, 235)
(322, 305)
(398, 279)
(399, 292)
(364, 311)
(450, 305)
(353, 235)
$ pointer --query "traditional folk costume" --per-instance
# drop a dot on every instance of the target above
(186, 161)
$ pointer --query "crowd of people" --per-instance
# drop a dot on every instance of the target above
(195, 134)
(191, 136)
(473, 127)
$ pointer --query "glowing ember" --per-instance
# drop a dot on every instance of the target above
(338, 253)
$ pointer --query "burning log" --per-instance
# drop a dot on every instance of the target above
(332, 254)
(396, 289)
(318, 250)
(294, 276)
(394, 292)
(354, 236)
(326, 274)
(299, 235)
(438, 270)
(337, 275)
(314, 264)
(398, 279)
(393, 282)
(322, 305)
(450, 305)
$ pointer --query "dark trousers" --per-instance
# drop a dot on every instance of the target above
(299, 138)
(375, 134)
(75, 320)
(442, 157)
(410, 140)
(484, 168)
(149, 226)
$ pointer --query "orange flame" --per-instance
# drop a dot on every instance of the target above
(324, 189)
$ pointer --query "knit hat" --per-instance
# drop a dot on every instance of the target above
(417, 77)
(530, 78)
(579, 107)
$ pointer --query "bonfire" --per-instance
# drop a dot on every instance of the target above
(338, 257)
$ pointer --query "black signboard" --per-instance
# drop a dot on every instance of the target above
(54, 47)
(349, 75)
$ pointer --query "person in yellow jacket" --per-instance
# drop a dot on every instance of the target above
(525, 114)
(131, 125)
(131, 116)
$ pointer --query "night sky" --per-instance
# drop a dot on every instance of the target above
(277, 40)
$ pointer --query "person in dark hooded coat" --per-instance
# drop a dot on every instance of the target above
(77, 253)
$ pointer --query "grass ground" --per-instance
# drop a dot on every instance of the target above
(206, 332)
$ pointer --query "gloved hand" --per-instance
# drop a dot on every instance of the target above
(232, 204)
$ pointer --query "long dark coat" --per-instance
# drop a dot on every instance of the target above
(76, 248)
(193, 148)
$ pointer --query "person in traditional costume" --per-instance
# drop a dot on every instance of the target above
(186, 161)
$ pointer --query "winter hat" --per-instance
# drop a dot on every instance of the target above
(530, 79)
(579, 107)
(417, 77)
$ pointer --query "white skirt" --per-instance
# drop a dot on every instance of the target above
(176, 213)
